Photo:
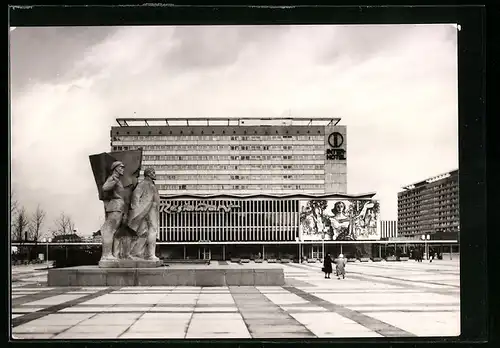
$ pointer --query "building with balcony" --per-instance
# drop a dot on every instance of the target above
(239, 156)
(430, 207)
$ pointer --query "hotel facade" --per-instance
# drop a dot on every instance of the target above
(252, 188)
(430, 208)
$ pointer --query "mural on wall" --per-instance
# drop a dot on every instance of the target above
(345, 219)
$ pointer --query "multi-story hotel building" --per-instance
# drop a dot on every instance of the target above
(267, 188)
(195, 156)
(430, 207)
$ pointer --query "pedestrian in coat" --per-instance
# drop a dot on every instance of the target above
(327, 266)
(340, 266)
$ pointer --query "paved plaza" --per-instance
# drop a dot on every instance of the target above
(377, 299)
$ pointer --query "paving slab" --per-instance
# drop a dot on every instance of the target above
(375, 300)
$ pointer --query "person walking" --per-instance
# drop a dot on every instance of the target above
(419, 255)
(340, 266)
(327, 266)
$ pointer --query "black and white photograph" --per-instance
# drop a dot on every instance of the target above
(234, 181)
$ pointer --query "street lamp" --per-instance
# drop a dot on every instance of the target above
(47, 241)
(425, 238)
(322, 246)
(297, 239)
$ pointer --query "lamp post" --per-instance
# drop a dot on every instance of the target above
(297, 239)
(425, 238)
(47, 241)
(322, 246)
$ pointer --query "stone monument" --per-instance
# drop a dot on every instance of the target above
(143, 217)
(131, 210)
(129, 237)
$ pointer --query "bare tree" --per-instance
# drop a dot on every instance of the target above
(13, 203)
(21, 225)
(13, 213)
(63, 225)
(37, 220)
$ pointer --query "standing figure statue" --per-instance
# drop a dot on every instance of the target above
(143, 217)
(114, 207)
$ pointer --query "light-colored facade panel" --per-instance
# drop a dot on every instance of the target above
(291, 153)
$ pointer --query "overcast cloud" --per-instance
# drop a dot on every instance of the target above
(395, 88)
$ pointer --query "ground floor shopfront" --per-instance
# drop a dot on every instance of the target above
(310, 250)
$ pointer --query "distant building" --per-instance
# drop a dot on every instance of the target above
(388, 229)
(67, 238)
(430, 207)
(96, 237)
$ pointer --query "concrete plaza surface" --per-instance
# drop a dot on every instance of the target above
(377, 299)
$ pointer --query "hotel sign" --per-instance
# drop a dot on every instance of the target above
(335, 140)
(201, 207)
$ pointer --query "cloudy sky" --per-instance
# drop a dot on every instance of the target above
(395, 88)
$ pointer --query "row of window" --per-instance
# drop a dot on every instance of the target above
(197, 148)
(429, 210)
(412, 196)
(227, 158)
(406, 217)
(129, 137)
(237, 177)
(454, 218)
(431, 205)
(425, 215)
(259, 167)
(224, 233)
(217, 187)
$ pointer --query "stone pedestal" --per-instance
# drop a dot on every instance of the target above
(166, 276)
(130, 263)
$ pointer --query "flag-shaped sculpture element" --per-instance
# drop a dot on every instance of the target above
(101, 167)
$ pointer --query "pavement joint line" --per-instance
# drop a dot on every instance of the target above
(135, 321)
(403, 283)
(192, 314)
(239, 311)
(368, 322)
(72, 326)
(407, 285)
(276, 309)
(406, 310)
(40, 295)
(30, 285)
(55, 308)
(404, 280)
(401, 269)
(371, 265)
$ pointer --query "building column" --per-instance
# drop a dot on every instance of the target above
(184, 252)
(341, 249)
(451, 251)
(263, 252)
(223, 252)
(379, 250)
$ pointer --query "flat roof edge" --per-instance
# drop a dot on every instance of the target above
(296, 196)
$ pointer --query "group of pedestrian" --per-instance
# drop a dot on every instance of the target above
(417, 255)
(340, 263)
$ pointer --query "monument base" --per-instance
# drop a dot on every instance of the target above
(121, 263)
(188, 275)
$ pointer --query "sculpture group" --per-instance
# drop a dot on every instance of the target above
(131, 214)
